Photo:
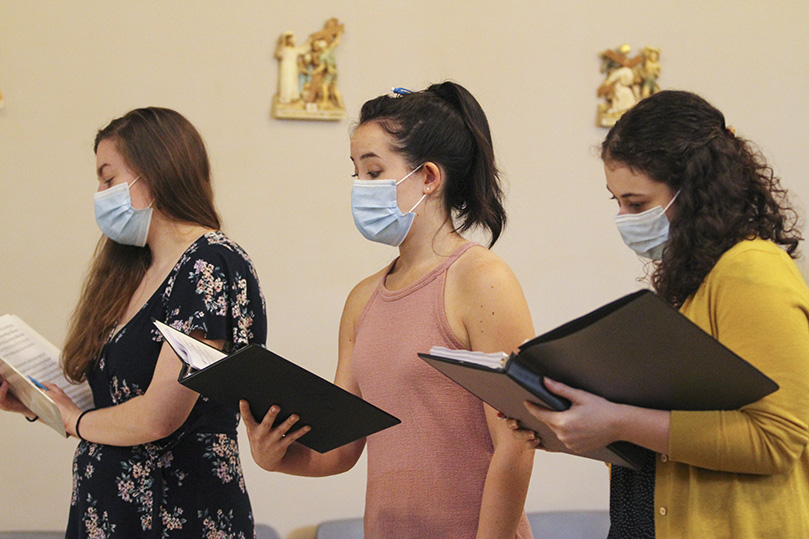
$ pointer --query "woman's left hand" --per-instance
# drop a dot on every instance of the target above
(67, 408)
(590, 423)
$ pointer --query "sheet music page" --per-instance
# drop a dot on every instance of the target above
(33, 356)
(195, 353)
(493, 360)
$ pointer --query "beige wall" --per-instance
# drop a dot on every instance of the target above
(67, 68)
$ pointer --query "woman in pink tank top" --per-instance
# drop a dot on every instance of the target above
(451, 469)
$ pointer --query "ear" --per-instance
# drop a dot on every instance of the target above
(433, 177)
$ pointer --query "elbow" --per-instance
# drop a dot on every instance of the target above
(346, 457)
(774, 457)
(343, 464)
(779, 462)
(161, 427)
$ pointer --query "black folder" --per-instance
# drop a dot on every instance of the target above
(263, 378)
(635, 350)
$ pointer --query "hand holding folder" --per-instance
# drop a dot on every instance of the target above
(264, 378)
(636, 350)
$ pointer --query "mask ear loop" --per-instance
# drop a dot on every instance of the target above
(129, 185)
(411, 173)
(406, 177)
(672, 200)
(417, 203)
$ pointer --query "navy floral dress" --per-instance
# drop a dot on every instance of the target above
(189, 484)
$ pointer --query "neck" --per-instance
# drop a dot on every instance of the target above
(168, 240)
(428, 245)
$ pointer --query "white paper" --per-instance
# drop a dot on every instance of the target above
(25, 353)
(191, 351)
(494, 360)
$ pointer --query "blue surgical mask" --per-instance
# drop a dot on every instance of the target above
(646, 233)
(118, 220)
(376, 212)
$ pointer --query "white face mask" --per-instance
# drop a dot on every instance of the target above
(376, 212)
(118, 220)
(646, 233)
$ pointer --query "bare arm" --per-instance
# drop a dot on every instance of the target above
(495, 317)
(161, 410)
(273, 450)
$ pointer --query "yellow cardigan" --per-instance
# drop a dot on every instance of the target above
(745, 473)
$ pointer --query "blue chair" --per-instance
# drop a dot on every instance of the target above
(262, 532)
(347, 528)
(570, 524)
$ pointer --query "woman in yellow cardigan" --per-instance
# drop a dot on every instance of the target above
(704, 205)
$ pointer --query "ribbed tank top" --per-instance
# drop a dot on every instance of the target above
(426, 475)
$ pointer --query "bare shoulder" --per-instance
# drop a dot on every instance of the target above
(479, 270)
(358, 298)
(485, 304)
(362, 291)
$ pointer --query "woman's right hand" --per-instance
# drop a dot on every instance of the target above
(269, 445)
(9, 402)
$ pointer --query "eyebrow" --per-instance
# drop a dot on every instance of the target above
(101, 168)
(365, 156)
(625, 195)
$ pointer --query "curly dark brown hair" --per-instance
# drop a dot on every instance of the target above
(728, 192)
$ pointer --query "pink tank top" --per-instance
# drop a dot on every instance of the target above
(426, 475)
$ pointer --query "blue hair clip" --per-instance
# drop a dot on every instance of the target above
(401, 91)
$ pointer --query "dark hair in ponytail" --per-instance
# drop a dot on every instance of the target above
(446, 125)
(728, 193)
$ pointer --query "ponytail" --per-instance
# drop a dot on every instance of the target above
(446, 125)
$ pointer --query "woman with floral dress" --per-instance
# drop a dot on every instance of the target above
(155, 458)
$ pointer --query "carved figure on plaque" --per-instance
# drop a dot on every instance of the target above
(626, 81)
(307, 76)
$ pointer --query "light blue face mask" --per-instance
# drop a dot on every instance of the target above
(118, 220)
(646, 233)
(376, 212)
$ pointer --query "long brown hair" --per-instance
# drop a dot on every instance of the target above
(168, 153)
(728, 192)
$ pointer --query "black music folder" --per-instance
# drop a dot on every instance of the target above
(635, 350)
(263, 378)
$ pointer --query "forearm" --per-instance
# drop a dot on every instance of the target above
(643, 426)
(302, 461)
(504, 491)
(138, 421)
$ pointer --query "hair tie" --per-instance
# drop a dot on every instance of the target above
(78, 422)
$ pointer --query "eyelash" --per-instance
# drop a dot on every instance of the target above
(632, 205)
(372, 175)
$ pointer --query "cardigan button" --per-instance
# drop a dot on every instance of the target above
(663, 511)
(664, 458)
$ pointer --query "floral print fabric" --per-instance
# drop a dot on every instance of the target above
(189, 484)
